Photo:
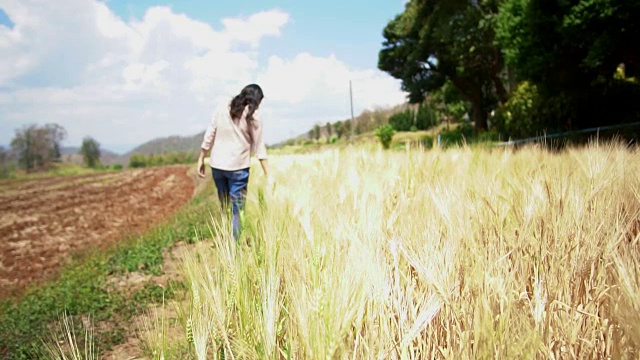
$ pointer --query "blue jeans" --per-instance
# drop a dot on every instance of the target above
(232, 188)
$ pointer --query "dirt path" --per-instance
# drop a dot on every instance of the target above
(42, 222)
(143, 326)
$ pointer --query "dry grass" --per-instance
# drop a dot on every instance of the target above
(62, 344)
(443, 254)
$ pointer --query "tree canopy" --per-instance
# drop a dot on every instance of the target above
(580, 59)
(571, 51)
(439, 40)
(37, 146)
(90, 151)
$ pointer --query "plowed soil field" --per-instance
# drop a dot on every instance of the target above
(43, 222)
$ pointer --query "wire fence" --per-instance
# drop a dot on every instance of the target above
(568, 134)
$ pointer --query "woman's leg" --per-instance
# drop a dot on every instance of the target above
(238, 183)
(222, 185)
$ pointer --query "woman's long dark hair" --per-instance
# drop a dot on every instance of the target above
(249, 97)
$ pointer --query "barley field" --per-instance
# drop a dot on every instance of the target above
(456, 254)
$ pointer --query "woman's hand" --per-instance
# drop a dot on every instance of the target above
(263, 163)
(201, 168)
(201, 171)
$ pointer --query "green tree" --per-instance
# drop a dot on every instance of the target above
(90, 151)
(385, 134)
(329, 129)
(433, 41)
(339, 129)
(346, 128)
(317, 132)
(425, 117)
(449, 104)
(36, 147)
(6, 163)
(570, 50)
(358, 128)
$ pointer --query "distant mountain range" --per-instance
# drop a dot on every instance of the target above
(156, 146)
(164, 145)
(169, 144)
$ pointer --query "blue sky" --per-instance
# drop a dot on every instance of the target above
(5, 20)
(125, 72)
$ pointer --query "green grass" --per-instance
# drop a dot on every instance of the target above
(57, 170)
(81, 289)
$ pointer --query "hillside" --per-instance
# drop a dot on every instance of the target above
(165, 145)
(168, 144)
(363, 124)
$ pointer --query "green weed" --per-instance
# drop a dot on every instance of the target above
(81, 289)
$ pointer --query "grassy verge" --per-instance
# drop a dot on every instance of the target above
(82, 289)
(57, 170)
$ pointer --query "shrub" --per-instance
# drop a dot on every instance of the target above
(117, 167)
(137, 161)
(171, 158)
(333, 139)
(385, 134)
(427, 141)
(414, 129)
(517, 117)
(456, 137)
(402, 121)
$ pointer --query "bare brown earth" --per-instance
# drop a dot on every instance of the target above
(44, 221)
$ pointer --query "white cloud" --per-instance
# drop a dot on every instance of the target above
(126, 82)
(308, 90)
(257, 26)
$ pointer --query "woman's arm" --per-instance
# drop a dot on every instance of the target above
(259, 148)
(207, 144)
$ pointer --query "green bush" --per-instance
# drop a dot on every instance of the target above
(333, 139)
(414, 129)
(385, 134)
(517, 118)
(137, 161)
(171, 158)
(487, 136)
(117, 167)
(427, 141)
(402, 121)
(456, 137)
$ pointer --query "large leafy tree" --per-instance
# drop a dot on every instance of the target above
(37, 146)
(90, 151)
(571, 49)
(5, 162)
(433, 41)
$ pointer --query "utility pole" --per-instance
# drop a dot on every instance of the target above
(353, 124)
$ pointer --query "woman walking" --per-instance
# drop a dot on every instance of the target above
(234, 131)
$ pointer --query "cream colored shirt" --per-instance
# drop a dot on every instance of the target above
(231, 142)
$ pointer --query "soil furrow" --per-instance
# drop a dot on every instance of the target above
(38, 234)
